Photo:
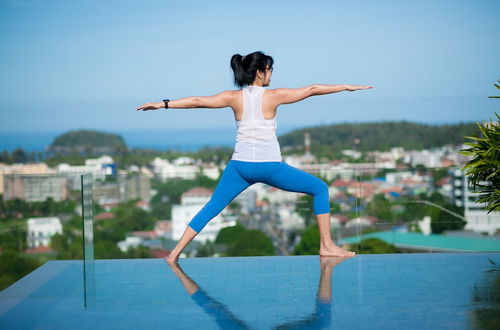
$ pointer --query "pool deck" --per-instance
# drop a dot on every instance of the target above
(380, 291)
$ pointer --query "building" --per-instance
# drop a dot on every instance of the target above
(136, 186)
(40, 231)
(34, 187)
(130, 242)
(248, 201)
(38, 168)
(163, 228)
(98, 167)
(475, 213)
(425, 157)
(192, 201)
(163, 169)
(416, 242)
(289, 219)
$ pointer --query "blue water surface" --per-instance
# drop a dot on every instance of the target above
(389, 291)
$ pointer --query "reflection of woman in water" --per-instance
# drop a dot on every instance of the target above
(257, 155)
(319, 319)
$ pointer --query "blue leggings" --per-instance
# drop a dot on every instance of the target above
(239, 175)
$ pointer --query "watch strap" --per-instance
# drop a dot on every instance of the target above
(166, 103)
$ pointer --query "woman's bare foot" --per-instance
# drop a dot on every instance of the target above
(335, 251)
(171, 258)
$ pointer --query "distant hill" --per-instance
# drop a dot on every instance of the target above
(87, 142)
(378, 136)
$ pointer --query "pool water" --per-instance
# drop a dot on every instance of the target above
(385, 291)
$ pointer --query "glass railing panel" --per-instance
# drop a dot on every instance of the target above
(40, 220)
(88, 239)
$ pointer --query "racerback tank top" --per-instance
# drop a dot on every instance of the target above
(256, 139)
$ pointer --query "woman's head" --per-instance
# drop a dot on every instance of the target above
(254, 66)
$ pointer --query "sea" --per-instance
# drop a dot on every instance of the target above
(180, 140)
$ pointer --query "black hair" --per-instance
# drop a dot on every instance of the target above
(245, 67)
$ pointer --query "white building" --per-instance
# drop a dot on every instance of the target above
(163, 169)
(476, 215)
(396, 177)
(392, 156)
(130, 241)
(360, 222)
(40, 230)
(210, 171)
(98, 167)
(183, 161)
(192, 201)
(278, 196)
(482, 222)
(289, 219)
(425, 157)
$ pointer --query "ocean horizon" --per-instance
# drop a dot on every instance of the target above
(181, 139)
(185, 140)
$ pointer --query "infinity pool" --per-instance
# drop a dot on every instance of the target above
(389, 291)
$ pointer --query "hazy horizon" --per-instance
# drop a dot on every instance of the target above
(185, 139)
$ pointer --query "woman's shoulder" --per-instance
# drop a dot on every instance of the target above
(232, 92)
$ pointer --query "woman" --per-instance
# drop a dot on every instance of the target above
(257, 156)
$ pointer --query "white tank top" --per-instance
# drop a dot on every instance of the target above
(256, 139)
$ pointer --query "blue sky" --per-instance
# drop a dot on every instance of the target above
(88, 64)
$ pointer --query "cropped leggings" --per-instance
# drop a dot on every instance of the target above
(239, 175)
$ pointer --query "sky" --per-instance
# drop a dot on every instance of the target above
(88, 64)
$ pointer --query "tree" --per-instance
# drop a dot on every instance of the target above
(14, 266)
(483, 170)
(372, 246)
(206, 250)
(381, 208)
(138, 252)
(252, 242)
(438, 174)
(228, 235)
(309, 241)
(14, 239)
(244, 242)
(107, 250)
(2, 206)
(19, 156)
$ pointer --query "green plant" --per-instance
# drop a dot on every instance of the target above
(495, 97)
(483, 170)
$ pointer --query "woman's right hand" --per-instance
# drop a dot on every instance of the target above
(352, 88)
(150, 106)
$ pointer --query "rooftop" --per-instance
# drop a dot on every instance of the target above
(385, 291)
(432, 242)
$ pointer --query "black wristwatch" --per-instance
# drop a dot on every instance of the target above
(166, 103)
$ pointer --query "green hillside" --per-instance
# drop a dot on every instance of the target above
(89, 138)
(378, 136)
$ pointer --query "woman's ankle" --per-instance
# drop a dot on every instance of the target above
(326, 244)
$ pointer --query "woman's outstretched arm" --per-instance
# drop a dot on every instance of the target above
(292, 95)
(221, 100)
